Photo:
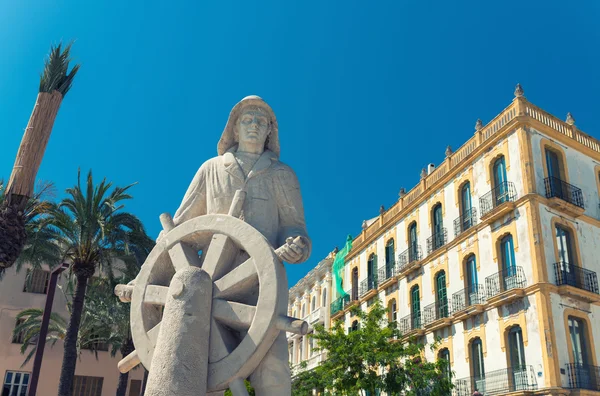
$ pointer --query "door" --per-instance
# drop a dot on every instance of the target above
(389, 259)
(467, 216)
(500, 185)
(438, 226)
(516, 352)
(565, 256)
(581, 366)
(478, 367)
(442, 296)
(371, 271)
(472, 281)
(554, 174)
(415, 303)
(412, 243)
(509, 267)
(355, 284)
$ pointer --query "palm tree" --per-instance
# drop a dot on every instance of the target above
(41, 247)
(93, 232)
(55, 82)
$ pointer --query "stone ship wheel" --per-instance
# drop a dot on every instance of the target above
(247, 277)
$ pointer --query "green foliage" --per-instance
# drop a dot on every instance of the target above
(249, 388)
(56, 75)
(373, 357)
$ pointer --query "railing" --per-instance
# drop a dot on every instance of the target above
(472, 295)
(367, 284)
(437, 240)
(507, 279)
(339, 303)
(556, 188)
(572, 275)
(409, 323)
(583, 376)
(317, 315)
(436, 311)
(498, 382)
(466, 221)
(408, 256)
(386, 272)
(504, 192)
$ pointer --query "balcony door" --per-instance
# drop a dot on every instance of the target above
(500, 182)
(412, 243)
(438, 227)
(516, 356)
(415, 303)
(509, 266)
(389, 258)
(581, 364)
(555, 171)
(472, 281)
(371, 271)
(465, 198)
(355, 284)
(565, 256)
(442, 295)
(477, 365)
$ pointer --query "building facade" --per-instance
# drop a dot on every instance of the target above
(495, 252)
(93, 376)
(309, 299)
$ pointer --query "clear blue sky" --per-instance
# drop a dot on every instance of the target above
(366, 93)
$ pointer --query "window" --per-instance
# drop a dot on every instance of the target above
(135, 387)
(354, 326)
(371, 269)
(412, 242)
(415, 303)
(500, 182)
(444, 354)
(564, 244)
(294, 314)
(472, 281)
(466, 207)
(389, 256)
(477, 366)
(19, 337)
(578, 341)
(303, 310)
(324, 302)
(393, 310)
(15, 383)
(300, 345)
(437, 232)
(311, 345)
(314, 304)
(355, 284)
(509, 266)
(96, 344)
(36, 281)
(553, 164)
(87, 386)
(516, 349)
(441, 295)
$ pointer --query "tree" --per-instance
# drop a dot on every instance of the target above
(249, 388)
(41, 247)
(92, 231)
(55, 82)
(373, 358)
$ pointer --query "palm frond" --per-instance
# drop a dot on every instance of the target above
(56, 75)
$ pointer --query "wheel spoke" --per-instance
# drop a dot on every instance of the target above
(222, 343)
(237, 282)
(238, 316)
(183, 255)
(156, 294)
(219, 256)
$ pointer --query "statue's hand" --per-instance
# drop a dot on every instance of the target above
(293, 251)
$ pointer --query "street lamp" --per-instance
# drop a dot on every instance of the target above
(41, 344)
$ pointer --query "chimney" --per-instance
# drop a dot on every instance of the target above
(430, 168)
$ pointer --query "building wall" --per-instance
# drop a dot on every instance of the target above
(12, 301)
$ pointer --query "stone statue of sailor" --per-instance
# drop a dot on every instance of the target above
(249, 160)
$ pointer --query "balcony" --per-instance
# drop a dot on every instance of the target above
(564, 196)
(410, 260)
(498, 202)
(316, 316)
(576, 281)
(437, 240)
(466, 221)
(368, 287)
(314, 361)
(386, 275)
(411, 325)
(337, 306)
(437, 316)
(499, 382)
(468, 302)
(583, 376)
(505, 286)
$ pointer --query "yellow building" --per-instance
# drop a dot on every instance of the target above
(495, 252)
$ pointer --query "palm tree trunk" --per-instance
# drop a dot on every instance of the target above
(67, 372)
(122, 388)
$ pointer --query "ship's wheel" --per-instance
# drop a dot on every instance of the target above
(247, 277)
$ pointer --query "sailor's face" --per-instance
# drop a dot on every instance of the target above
(253, 126)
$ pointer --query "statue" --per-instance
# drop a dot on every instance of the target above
(216, 274)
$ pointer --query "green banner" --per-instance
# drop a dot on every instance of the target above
(338, 266)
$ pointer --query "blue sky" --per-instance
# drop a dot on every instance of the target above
(366, 93)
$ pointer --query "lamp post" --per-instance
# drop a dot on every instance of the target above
(41, 344)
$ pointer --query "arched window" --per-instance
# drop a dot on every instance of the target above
(415, 303)
(509, 266)
(473, 295)
(389, 256)
(324, 298)
(477, 366)
(314, 304)
(467, 215)
(441, 295)
(372, 270)
(393, 310)
(444, 354)
(355, 284)
(579, 342)
(303, 310)
(413, 249)
(516, 349)
(500, 182)
(566, 254)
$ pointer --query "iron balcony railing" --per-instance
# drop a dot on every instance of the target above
(583, 376)
(498, 382)
(437, 240)
(504, 192)
(507, 279)
(436, 311)
(339, 303)
(410, 255)
(472, 295)
(386, 272)
(410, 322)
(572, 275)
(466, 221)
(367, 284)
(556, 188)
